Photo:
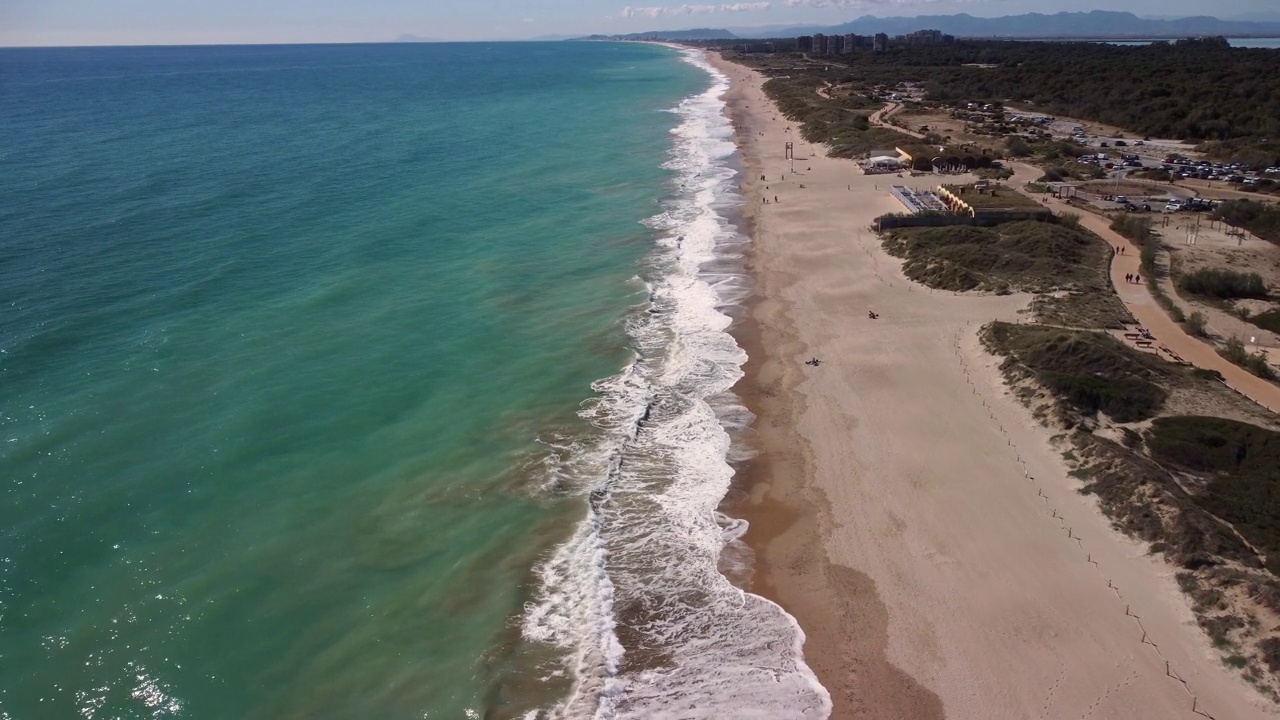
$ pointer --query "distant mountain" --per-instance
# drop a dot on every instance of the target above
(1257, 17)
(695, 34)
(1098, 23)
(415, 38)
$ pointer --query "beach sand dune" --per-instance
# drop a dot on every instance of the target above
(906, 509)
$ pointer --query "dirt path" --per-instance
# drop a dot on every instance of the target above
(877, 118)
(1137, 298)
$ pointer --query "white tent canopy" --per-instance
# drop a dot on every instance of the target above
(886, 159)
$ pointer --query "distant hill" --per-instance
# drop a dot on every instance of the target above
(416, 39)
(1098, 23)
(695, 34)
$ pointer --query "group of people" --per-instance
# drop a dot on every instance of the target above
(1132, 278)
(1118, 250)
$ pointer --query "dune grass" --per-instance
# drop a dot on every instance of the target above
(1025, 256)
(1089, 372)
(1242, 463)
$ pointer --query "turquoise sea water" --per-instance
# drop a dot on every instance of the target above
(381, 381)
(282, 328)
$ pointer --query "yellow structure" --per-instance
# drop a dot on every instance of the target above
(981, 199)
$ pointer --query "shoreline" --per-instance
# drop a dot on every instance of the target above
(887, 512)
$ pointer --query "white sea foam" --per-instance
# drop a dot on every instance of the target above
(636, 599)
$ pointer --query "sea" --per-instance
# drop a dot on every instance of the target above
(1263, 43)
(375, 381)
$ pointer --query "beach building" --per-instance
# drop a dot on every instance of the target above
(881, 165)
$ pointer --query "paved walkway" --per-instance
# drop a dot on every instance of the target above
(1137, 298)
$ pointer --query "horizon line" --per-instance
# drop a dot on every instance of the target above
(299, 43)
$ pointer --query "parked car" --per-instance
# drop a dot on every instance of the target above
(1121, 143)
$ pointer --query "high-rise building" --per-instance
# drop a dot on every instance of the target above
(926, 37)
(835, 45)
(804, 43)
(819, 44)
(880, 43)
(850, 42)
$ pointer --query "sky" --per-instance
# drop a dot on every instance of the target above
(148, 22)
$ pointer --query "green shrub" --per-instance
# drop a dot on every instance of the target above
(1134, 227)
(1026, 255)
(1122, 399)
(1017, 146)
(1147, 256)
(1269, 320)
(1259, 218)
(1243, 462)
(1196, 324)
(1157, 174)
(1090, 372)
(1255, 363)
(1223, 284)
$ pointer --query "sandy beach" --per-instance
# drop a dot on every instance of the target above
(912, 515)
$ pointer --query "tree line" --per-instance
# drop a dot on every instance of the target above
(1201, 91)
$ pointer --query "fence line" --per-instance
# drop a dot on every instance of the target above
(1145, 638)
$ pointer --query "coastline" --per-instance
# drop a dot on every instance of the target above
(887, 508)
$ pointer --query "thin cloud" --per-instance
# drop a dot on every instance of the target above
(654, 11)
